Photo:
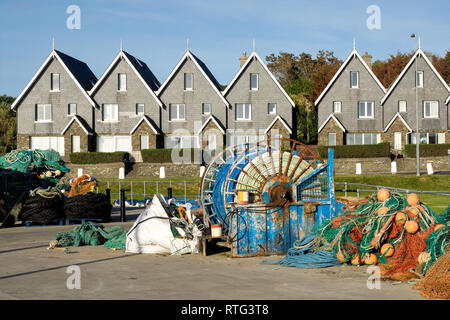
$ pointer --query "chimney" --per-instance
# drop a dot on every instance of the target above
(367, 59)
(243, 59)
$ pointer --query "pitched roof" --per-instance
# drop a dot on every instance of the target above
(79, 71)
(211, 117)
(352, 54)
(81, 122)
(448, 100)
(148, 121)
(424, 56)
(140, 68)
(254, 55)
(398, 115)
(203, 69)
(332, 116)
(282, 121)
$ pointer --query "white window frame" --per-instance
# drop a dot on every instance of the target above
(257, 81)
(145, 139)
(432, 103)
(45, 106)
(178, 106)
(376, 136)
(337, 106)
(121, 82)
(52, 82)
(419, 79)
(137, 108)
(69, 111)
(331, 134)
(243, 118)
(402, 103)
(203, 108)
(366, 109)
(357, 79)
(186, 88)
(115, 112)
(274, 109)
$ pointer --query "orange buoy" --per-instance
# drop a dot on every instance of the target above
(340, 257)
(49, 173)
(411, 226)
(370, 259)
(412, 199)
(42, 176)
(400, 217)
(383, 194)
(382, 211)
(387, 250)
(58, 172)
(412, 211)
(356, 260)
(424, 257)
(438, 226)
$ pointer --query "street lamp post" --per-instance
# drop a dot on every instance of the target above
(417, 113)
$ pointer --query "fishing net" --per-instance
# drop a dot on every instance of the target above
(82, 185)
(93, 234)
(436, 284)
(30, 160)
(90, 205)
(364, 227)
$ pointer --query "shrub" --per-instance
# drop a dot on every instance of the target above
(165, 155)
(427, 150)
(357, 151)
(98, 157)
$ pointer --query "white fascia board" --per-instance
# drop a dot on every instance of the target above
(274, 121)
(144, 118)
(398, 115)
(75, 118)
(331, 116)
(207, 121)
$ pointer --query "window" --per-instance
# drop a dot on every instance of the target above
(206, 108)
(402, 106)
(365, 109)
(110, 112)
(354, 79)
(431, 109)
(144, 142)
(122, 85)
(212, 143)
(253, 81)
(181, 142)
(272, 108)
(243, 111)
(75, 143)
(54, 85)
(337, 107)
(176, 112)
(419, 79)
(331, 139)
(241, 139)
(428, 138)
(188, 81)
(140, 108)
(362, 138)
(45, 143)
(113, 143)
(43, 113)
(72, 109)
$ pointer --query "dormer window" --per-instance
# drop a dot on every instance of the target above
(188, 81)
(254, 81)
(54, 82)
(354, 79)
(122, 82)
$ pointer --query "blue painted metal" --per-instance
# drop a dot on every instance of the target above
(253, 233)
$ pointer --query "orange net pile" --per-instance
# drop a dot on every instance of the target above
(82, 185)
(436, 284)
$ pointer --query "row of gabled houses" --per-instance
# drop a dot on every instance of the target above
(66, 108)
(355, 108)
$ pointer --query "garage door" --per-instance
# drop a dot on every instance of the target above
(45, 143)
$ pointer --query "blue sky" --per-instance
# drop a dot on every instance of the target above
(219, 32)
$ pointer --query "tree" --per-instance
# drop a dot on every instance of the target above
(7, 125)
(442, 66)
(388, 71)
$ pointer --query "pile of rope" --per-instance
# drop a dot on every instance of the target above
(90, 205)
(94, 235)
(308, 253)
(386, 228)
(43, 206)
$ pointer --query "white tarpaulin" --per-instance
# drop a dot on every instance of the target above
(151, 233)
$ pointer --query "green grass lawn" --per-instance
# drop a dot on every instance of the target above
(412, 182)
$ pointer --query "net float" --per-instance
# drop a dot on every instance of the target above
(383, 194)
(400, 217)
(411, 226)
(370, 259)
(356, 260)
(387, 250)
(382, 211)
(412, 199)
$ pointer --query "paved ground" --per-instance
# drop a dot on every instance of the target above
(29, 271)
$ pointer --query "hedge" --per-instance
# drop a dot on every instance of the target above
(98, 157)
(427, 150)
(165, 155)
(357, 151)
